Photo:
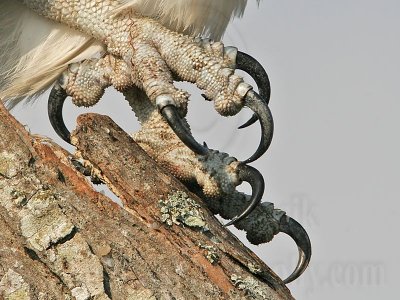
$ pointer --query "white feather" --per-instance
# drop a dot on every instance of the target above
(195, 17)
(34, 51)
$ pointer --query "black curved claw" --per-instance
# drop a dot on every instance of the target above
(292, 228)
(249, 122)
(253, 176)
(252, 67)
(171, 115)
(261, 109)
(54, 110)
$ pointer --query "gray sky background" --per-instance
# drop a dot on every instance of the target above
(333, 164)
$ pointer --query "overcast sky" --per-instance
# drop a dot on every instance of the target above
(334, 161)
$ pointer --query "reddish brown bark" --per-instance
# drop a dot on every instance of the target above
(60, 238)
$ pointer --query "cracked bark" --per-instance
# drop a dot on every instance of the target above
(60, 239)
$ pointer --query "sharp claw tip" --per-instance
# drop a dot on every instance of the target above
(231, 222)
(254, 177)
(300, 236)
(249, 122)
(245, 125)
(55, 107)
(263, 114)
(170, 113)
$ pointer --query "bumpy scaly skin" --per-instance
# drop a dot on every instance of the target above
(143, 54)
(85, 82)
(151, 51)
(214, 173)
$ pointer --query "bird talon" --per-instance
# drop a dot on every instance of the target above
(292, 228)
(54, 108)
(140, 52)
(252, 67)
(255, 179)
(170, 114)
(262, 111)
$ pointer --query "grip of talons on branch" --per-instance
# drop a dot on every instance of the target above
(256, 180)
(54, 108)
(252, 67)
(261, 109)
(292, 228)
(168, 110)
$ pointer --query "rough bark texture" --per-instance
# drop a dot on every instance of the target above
(60, 239)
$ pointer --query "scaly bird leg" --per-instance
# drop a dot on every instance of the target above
(86, 82)
(215, 173)
(154, 55)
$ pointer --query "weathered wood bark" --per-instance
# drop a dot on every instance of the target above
(60, 239)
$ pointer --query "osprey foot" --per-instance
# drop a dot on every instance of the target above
(214, 177)
(210, 66)
(263, 223)
(238, 60)
(153, 57)
(216, 173)
(85, 82)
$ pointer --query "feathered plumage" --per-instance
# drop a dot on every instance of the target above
(34, 51)
(207, 17)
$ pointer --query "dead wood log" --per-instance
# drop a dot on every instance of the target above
(60, 239)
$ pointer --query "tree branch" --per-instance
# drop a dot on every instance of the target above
(60, 238)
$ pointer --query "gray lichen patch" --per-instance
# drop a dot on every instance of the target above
(252, 287)
(8, 165)
(20, 199)
(180, 209)
(79, 268)
(211, 253)
(80, 293)
(253, 268)
(42, 221)
(13, 287)
(140, 294)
